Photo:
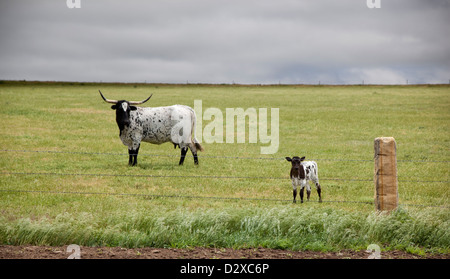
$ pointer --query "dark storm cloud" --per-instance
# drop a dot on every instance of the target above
(226, 41)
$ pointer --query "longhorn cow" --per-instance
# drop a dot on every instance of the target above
(155, 125)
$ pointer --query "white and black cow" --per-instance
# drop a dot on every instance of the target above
(301, 173)
(155, 125)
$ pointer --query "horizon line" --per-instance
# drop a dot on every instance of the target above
(217, 84)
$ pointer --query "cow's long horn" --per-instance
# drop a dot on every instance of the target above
(141, 102)
(107, 100)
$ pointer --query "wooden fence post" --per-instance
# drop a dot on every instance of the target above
(385, 176)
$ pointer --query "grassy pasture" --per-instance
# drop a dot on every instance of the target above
(84, 192)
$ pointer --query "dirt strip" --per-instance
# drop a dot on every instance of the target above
(47, 252)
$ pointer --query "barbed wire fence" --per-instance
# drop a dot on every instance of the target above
(151, 196)
(205, 156)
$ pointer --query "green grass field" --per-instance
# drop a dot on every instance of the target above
(65, 176)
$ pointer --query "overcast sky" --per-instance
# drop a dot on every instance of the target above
(226, 41)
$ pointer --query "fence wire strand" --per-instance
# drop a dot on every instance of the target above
(153, 196)
(208, 156)
(202, 176)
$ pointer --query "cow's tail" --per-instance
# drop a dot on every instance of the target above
(194, 128)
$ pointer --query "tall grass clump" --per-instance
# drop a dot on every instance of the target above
(279, 227)
(402, 228)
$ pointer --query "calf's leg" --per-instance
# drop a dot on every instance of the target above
(319, 190)
(308, 191)
(294, 193)
(302, 190)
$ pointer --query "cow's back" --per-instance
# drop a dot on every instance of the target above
(158, 123)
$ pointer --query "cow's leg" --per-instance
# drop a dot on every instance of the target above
(194, 153)
(133, 153)
(183, 154)
(130, 156)
(195, 158)
(136, 151)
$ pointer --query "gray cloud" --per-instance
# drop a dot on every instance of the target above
(226, 41)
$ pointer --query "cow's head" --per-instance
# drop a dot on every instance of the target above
(296, 169)
(123, 109)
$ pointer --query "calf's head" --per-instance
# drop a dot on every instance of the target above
(297, 168)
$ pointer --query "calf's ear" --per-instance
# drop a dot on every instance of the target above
(289, 159)
(302, 158)
(133, 108)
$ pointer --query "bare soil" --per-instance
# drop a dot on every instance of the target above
(47, 252)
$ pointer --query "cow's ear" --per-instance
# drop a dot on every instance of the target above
(302, 158)
(289, 159)
(133, 108)
(113, 107)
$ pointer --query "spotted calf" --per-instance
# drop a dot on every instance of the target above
(302, 172)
